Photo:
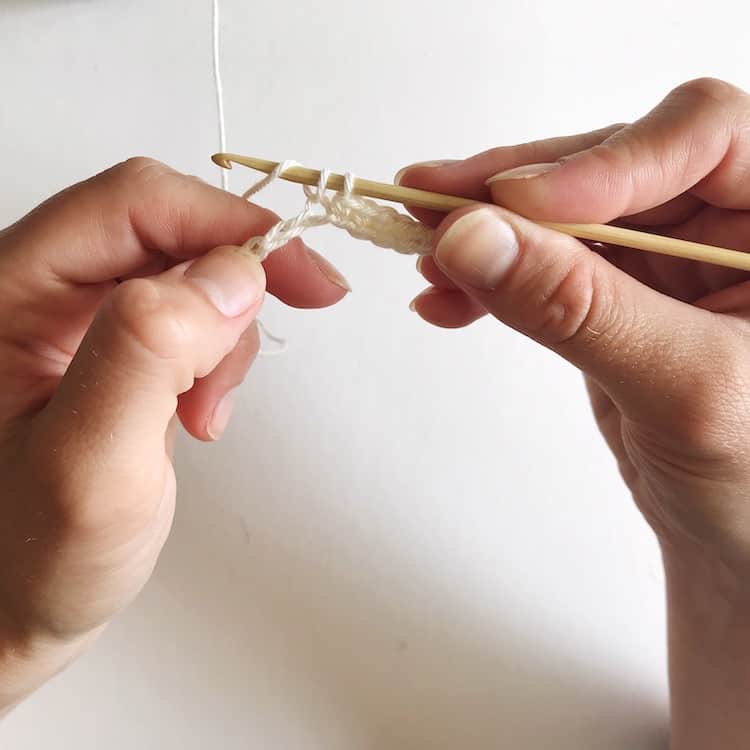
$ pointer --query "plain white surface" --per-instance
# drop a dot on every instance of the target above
(409, 538)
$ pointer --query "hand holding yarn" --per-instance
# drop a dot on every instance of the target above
(125, 304)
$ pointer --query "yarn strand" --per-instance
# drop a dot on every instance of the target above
(219, 88)
(363, 218)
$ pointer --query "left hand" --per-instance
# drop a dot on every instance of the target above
(121, 309)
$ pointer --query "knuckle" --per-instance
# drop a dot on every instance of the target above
(574, 306)
(146, 318)
(611, 165)
(707, 91)
(613, 157)
(138, 172)
(139, 166)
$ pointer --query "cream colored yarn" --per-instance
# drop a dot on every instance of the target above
(362, 218)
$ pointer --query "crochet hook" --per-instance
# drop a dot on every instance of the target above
(611, 235)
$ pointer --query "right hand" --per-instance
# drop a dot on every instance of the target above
(663, 341)
(664, 344)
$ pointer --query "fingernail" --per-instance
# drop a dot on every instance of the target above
(422, 295)
(434, 163)
(478, 249)
(220, 418)
(329, 271)
(526, 172)
(232, 282)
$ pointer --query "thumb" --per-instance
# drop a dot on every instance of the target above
(632, 340)
(149, 342)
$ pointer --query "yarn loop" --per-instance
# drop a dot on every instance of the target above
(362, 218)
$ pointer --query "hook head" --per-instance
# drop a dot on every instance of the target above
(222, 160)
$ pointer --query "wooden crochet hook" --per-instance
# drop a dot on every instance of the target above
(632, 238)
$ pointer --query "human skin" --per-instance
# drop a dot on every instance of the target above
(125, 305)
(94, 372)
(664, 344)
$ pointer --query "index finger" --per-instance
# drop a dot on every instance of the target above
(112, 224)
(695, 143)
(467, 177)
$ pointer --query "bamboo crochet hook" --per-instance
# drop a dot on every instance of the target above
(654, 243)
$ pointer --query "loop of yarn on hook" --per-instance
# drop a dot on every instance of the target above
(362, 218)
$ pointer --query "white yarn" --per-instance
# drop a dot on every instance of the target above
(361, 217)
(279, 344)
(219, 88)
(278, 170)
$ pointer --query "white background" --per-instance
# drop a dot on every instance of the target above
(409, 538)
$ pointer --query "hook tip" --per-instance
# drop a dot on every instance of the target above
(222, 160)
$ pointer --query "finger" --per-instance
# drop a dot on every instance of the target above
(636, 343)
(113, 225)
(150, 341)
(170, 437)
(447, 308)
(206, 408)
(323, 284)
(467, 178)
(429, 269)
(675, 211)
(696, 140)
(158, 263)
(686, 279)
